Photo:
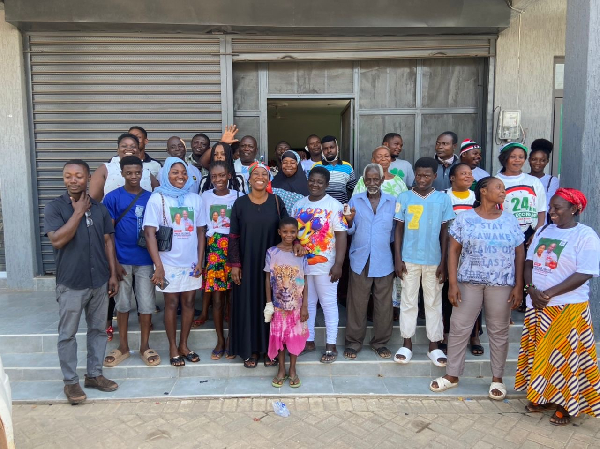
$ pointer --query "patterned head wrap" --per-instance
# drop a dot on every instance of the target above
(511, 145)
(573, 196)
(256, 164)
(468, 145)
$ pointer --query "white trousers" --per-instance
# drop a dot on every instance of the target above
(432, 297)
(320, 288)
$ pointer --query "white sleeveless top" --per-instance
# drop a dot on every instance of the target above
(114, 180)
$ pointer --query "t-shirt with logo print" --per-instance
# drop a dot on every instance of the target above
(525, 198)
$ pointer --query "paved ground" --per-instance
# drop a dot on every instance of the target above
(314, 422)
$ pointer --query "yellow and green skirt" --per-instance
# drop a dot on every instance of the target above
(557, 360)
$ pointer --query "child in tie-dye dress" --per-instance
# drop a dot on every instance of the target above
(287, 305)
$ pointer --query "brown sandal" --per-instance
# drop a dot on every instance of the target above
(148, 354)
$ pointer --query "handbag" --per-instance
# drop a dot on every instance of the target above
(164, 234)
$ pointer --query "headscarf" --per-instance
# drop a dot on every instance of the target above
(256, 164)
(168, 189)
(296, 183)
(512, 145)
(573, 196)
(468, 145)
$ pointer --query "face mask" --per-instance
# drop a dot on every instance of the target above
(330, 158)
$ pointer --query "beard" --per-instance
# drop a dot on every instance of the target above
(372, 190)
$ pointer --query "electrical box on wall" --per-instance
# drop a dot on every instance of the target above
(509, 125)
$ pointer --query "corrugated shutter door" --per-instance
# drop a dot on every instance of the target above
(269, 48)
(88, 89)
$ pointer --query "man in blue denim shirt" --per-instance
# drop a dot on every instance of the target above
(370, 220)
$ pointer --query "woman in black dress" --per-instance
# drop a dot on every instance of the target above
(254, 222)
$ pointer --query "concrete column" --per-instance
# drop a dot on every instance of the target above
(17, 188)
(581, 109)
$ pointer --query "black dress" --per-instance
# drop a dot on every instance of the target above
(253, 231)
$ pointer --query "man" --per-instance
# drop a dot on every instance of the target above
(280, 148)
(224, 221)
(248, 151)
(445, 146)
(313, 145)
(343, 179)
(126, 206)
(185, 220)
(200, 145)
(398, 167)
(150, 163)
(470, 154)
(371, 219)
(176, 148)
(80, 229)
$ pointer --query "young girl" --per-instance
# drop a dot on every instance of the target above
(287, 307)
(217, 273)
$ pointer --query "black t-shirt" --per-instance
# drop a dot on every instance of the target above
(82, 262)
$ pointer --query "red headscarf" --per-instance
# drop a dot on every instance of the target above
(573, 196)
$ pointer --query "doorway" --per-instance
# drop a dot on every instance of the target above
(293, 120)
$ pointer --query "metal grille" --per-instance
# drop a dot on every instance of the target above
(87, 89)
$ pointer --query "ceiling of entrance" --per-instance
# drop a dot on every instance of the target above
(284, 108)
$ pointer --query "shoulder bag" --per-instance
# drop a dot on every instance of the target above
(164, 234)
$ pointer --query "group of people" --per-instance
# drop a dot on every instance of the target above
(265, 250)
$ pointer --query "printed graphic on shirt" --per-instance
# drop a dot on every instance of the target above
(398, 172)
(182, 219)
(461, 208)
(521, 201)
(220, 216)
(316, 233)
(139, 215)
(546, 254)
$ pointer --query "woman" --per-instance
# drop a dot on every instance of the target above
(557, 363)
(177, 272)
(392, 184)
(538, 159)
(462, 198)
(290, 182)
(221, 151)
(254, 223)
(480, 277)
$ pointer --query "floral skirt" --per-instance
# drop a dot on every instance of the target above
(287, 330)
(217, 275)
(557, 361)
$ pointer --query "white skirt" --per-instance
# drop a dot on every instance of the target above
(180, 280)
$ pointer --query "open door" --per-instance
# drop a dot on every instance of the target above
(347, 133)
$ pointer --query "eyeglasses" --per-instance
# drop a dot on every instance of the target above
(88, 219)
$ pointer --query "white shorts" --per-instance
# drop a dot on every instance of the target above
(180, 280)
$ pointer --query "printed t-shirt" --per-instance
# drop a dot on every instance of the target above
(184, 251)
(402, 168)
(287, 278)
(317, 223)
(217, 211)
(525, 198)
(488, 248)
(460, 204)
(565, 251)
(423, 217)
(129, 227)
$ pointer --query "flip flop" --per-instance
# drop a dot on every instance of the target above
(500, 387)
(477, 350)
(216, 355)
(150, 353)
(277, 382)
(176, 361)
(329, 354)
(435, 355)
(381, 352)
(407, 353)
(117, 356)
(296, 382)
(443, 385)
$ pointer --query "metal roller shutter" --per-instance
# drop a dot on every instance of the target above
(268, 48)
(87, 89)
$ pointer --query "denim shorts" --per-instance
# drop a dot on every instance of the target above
(144, 290)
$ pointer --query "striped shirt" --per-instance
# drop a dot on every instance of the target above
(342, 180)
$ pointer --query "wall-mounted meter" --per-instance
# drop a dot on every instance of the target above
(509, 125)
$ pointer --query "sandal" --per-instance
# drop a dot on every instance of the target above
(109, 333)
(270, 362)
(295, 382)
(250, 362)
(539, 408)
(177, 361)
(443, 384)
(328, 357)
(216, 355)
(477, 350)
(436, 355)
(560, 419)
(350, 354)
(191, 357)
(229, 356)
(149, 354)
(497, 386)
(117, 357)
(382, 352)
(404, 352)
(197, 323)
(277, 382)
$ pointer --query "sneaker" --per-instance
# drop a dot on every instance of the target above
(100, 382)
(74, 394)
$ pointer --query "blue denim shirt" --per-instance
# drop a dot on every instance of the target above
(372, 234)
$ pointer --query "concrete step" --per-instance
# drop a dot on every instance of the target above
(201, 338)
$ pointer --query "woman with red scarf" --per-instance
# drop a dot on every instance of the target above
(557, 362)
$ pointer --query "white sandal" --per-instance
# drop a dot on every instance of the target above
(407, 353)
(435, 355)
(443, 385)
(500, 387)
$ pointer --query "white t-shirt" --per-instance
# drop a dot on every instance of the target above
(317, 223)
(525, 198)
(184, 252)
(479, 173)
(217, 211)
(404, 169)
(550, 183)
(565, 251)
(458, 204)
(192, 173)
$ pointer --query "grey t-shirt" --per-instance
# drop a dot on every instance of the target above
(82, 262)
